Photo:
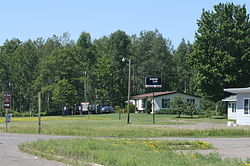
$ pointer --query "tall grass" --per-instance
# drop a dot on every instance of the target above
(110, 125)
(125, 152)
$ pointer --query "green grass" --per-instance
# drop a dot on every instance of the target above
(110, 125)
(125, 152)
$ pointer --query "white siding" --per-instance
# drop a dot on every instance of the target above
(241, 118)
(158, 99)
(139, 104)
(230, 113)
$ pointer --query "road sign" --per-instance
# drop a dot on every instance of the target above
(6, 96)
(6, 105)
(153, 82)
(6, 100)
(8, 118)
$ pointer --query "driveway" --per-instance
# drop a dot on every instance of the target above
(11, 156)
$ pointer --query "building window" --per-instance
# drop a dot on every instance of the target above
(233, 107)
(246, 106)
(165, 103)
(191, 101)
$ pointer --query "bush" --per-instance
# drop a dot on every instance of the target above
(178, 106)
(221, 108)
(118, 109)
(165, 111)
(148, 107)
(191, 110)
(132, 108)
(209, 108)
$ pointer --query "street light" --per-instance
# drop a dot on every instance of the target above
(129, 74)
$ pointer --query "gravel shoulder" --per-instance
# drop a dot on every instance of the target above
(197, 126)
(228, 147)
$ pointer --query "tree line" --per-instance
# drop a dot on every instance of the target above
(70, 72)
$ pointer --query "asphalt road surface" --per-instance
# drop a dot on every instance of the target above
(11, 156)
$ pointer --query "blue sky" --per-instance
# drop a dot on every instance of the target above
(30, 19)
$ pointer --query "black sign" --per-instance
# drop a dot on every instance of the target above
(153, 82)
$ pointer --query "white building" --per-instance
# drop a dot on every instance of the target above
(162, 100)
(238, 106)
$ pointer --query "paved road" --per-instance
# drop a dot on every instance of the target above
(11, 156)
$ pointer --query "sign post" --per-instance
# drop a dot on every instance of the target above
(153, 82)
(6, 106)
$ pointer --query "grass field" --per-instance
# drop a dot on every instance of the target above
(110, 125)
(134, 118)
(120, 151)
(125, 152)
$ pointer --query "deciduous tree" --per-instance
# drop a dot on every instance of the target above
(221, 54)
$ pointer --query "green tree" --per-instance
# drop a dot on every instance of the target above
(19, 70)
(178, 106)
(59, 65)
(221, 54)
(64, 93)
(190, 109)
(23, 70)
(111, 80)
(104, 77)
(208, 107)
(86, 54)
(7, 53)
(183, 72)
(120, 49)
(152, 56)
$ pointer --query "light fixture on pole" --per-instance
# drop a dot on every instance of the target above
(129, 75)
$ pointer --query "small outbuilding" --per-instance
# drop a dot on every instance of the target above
(238, 105)
(162, 100)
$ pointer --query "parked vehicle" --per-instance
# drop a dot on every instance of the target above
(93, 109)
(96, 109)
(85, 106)
(105, 109)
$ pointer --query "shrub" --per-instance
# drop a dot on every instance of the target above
(178, 105)
(191, 110)
(221, 108)
(148, 107)
(118, 109)
(208, 107)
(132, 108)
(165, 111)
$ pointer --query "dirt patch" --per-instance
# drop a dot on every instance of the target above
(189, 126)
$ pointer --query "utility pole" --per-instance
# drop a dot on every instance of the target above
(129, 75)
(39, 112)
(6, 122)
(153, 106)
(85, 88)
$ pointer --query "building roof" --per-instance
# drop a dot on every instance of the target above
(238, 90)
(142, 96)
(230, 98)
